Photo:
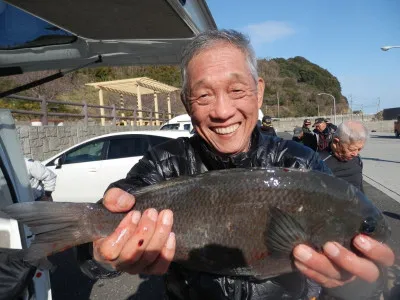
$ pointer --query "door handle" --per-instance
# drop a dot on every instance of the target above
(92, 170)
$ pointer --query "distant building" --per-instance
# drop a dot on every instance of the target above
(391, 113)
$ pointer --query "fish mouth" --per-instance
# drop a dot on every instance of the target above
(226, 130)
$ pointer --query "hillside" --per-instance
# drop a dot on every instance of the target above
(295, 81)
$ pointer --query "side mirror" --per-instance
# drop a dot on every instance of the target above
(59, 161)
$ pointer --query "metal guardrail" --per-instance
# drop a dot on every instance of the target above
(44, 112)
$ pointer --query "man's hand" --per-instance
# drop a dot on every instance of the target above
(141, 243)
(329, 269)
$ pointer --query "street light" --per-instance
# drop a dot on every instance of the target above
(386, 48)
(334, 105)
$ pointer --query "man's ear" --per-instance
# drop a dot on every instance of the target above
(185, 102)
(260, 91)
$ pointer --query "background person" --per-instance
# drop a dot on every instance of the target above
(342, 156)
(323, 134)
(306, 126)
(42, 180)
(298, 135)
(266, 126)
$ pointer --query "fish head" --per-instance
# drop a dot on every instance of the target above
(373, 222)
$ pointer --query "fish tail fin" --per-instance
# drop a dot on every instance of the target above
(57, 226)
(283, 232)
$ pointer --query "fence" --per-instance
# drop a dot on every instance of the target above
(44, 112)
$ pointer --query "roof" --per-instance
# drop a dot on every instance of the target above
(129, 86)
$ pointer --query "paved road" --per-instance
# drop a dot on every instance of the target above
(380, 165)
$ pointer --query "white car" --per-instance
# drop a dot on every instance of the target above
(85, 170)
(15, 188)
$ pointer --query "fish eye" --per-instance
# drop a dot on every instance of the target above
(368, 225)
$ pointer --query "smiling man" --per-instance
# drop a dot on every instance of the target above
(222, 93)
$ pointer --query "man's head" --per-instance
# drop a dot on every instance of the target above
(266, 121)
(320, 124)
(298, 132)
(349, 139)
(221, 89)
(307, 123)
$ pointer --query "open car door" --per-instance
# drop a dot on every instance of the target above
(16, 278)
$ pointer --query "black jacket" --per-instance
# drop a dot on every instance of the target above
(186, 156)
(351, 170)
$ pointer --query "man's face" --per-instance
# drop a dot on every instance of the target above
(346, 151)
(223, 98)
(320, 126)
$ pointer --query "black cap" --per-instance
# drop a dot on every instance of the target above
(318, 121)
(266, 120)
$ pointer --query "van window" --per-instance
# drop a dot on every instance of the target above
(19, 30)
(186, 127)
(170, 127)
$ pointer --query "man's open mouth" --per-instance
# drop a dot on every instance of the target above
(226, 130)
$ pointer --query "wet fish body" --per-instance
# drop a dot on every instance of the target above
(239, 222)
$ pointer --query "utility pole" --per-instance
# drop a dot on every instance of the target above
(277, 97)
(318, 109)
(351, 107)
(379, 104)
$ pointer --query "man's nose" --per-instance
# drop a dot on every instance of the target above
(223, 108)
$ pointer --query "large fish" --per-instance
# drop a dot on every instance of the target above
(239, 222)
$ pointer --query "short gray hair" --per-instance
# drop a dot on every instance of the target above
(351, 131)
(208, 39)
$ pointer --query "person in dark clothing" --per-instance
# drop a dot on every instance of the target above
(330, 124)
(266, 126)
(306, 126)
(222, 93)
(298, 135)
(342, 156)
(323, 134)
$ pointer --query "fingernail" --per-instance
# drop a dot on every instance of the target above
(136, 217)
(167, 218)
(300, 266)
(171, 241)
(152, 214)
(363, 243)
(331, 249)
(124, 201)
(302, 253)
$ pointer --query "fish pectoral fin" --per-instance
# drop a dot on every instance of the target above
(283, 232)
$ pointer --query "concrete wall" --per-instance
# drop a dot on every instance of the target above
(42, 142)
(287, 124)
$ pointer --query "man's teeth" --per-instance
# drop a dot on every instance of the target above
(226, 130)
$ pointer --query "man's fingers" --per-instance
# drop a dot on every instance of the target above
(117, 200)
(109, 248)
(133, 249)
(318, 277)
(347, 260)
(158, 240)
(160, 266)
(315, 261)
(375, 250)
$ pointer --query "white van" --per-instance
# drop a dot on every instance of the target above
(181, 122)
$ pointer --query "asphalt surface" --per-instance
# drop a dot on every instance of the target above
(69, 283)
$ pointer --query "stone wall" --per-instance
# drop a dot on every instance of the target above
(42, 142)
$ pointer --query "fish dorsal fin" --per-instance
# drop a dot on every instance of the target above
(283, 232)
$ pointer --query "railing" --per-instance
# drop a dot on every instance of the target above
(44, 112)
